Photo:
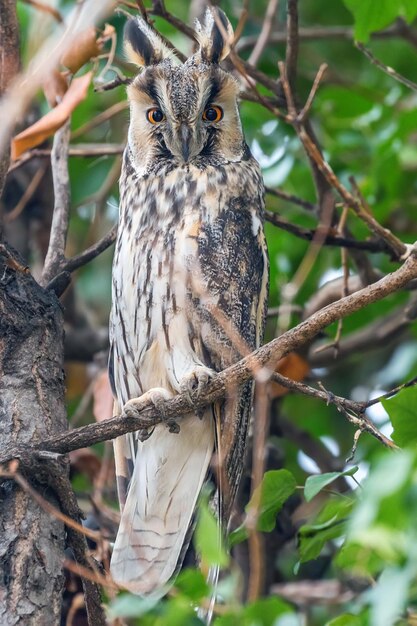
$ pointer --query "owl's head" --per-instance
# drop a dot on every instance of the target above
(183, 113)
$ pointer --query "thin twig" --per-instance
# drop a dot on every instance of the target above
(291, 52)
(112, 84)
(378, 334)
(263, 38)
(86, 150)
(256, 547)
(291, 289)
(46, 8)
(70, 265)
(27, 195)
(317, 80)
(386, 68)
(60, 219)
(392, 392)
(374, 245)
(47, 506)
(306, 34)
(289, 197)
(353, 411)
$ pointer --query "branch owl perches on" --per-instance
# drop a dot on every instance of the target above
(190, 283)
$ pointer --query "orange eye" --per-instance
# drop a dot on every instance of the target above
(155, 115)
(213, 114)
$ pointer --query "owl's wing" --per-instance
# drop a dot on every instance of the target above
(234, 261)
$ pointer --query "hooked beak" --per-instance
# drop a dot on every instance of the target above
(185, 136)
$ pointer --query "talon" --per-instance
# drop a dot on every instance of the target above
(193, 384)
(130, 410)
(133, 408)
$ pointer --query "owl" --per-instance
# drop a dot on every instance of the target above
(189, 289)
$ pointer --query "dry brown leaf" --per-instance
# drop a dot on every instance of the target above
(49, 123)
(107, 34)
(292, 366)
(77, 380)
(102, 397)
(85, 461)
(85, 47)
(55, 87)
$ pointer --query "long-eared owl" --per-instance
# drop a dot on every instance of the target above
(190, 283)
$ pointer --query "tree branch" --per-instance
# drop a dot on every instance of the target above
(265, 357)
(9, 66)
(90, 253)
(60, 220)
(374, 245)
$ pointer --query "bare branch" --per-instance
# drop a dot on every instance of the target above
(60, 220)
(99, 119)
(256, 547)
(381, 333)
(392, 392)
(263, 38)
(27, 195)
(313, 592)
(289, 197)
(84, 150)
(353, 411)
(374, 245)
(386, 68)
(91, 253)
(306, 34)
(397, 247)
(291, 52)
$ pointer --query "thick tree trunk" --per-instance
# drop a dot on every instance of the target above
(9, 62)
(32, 542)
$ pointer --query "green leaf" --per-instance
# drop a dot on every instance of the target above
(177, 611)
(329, 524)
(264, 612)
(276, 487)
(129, 605)
(207, 537)
(192, 584)
(359, 560)
(346, 620)
(314, 484)
(409, 9)
(389, 596)
(402, 410)
(372, 15)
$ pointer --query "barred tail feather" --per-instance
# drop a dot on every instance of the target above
(167, 478)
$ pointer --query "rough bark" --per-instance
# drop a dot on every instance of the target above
(32, 542)
(9, 62)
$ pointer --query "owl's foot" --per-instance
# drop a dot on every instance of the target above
(193, 384)
(157, 396)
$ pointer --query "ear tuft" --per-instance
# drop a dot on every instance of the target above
(215, 37)
(143, 46)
